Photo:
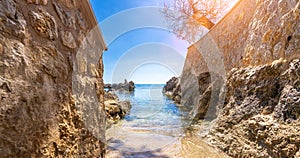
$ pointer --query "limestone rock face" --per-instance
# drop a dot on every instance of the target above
(80, 21)
(69, 3)
(44, 111)
(125, 106)
(68, 19)
(172, 89)
(273, 32)
(40, 2)
(1, 48)
(263, 31)
(68, 39)
(261, 114)
(12, 22)
(171, 84)
(189, 85)
(44, 24)
(210, 86)
(258, 110)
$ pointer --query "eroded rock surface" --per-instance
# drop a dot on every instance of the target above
(261, 114)
(273, 32)
(66, 16)
(264, 30)
(41, 2)
(172, 89)
(115, 109)
(260, 117)
(69, 3)
(68, 39)
(210, 86)
(12, 22)
(44, 24)
(41, 112)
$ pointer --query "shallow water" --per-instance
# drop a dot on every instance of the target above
(155, 127)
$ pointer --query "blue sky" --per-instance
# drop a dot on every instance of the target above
(139, 46)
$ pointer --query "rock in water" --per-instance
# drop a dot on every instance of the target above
(115, 109)
(172, 89)
(125, 107)
(171, 84)
(131, 86)
(126, 86)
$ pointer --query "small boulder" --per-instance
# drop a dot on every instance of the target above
(125, 107)
(115, 109)
(172, 89)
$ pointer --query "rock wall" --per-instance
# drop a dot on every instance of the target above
(261, 112)
(44, 111)
(255, 50)
(274, 32)
(252, 33)
(218, 51)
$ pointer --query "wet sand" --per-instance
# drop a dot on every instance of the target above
(130, 143)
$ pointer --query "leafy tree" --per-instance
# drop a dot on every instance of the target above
(190, 19)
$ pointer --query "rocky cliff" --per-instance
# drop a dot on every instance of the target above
(261, 113)
(252, 33)
(217, 52)
(244, 72)
(44, 108)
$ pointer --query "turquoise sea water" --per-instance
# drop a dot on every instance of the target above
(154, 121)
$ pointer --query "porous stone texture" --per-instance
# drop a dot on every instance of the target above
(205, 98)
(44, 111)
(1, 48)
(252, 48)
(261, 113)
(40, 2)
(115, 109)
(44, 24)
(210, 86)
(69, 3)
(80, 21)
(274, 32)
(68, 39)
(263, 31)
(12, 23)
(66, 16)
